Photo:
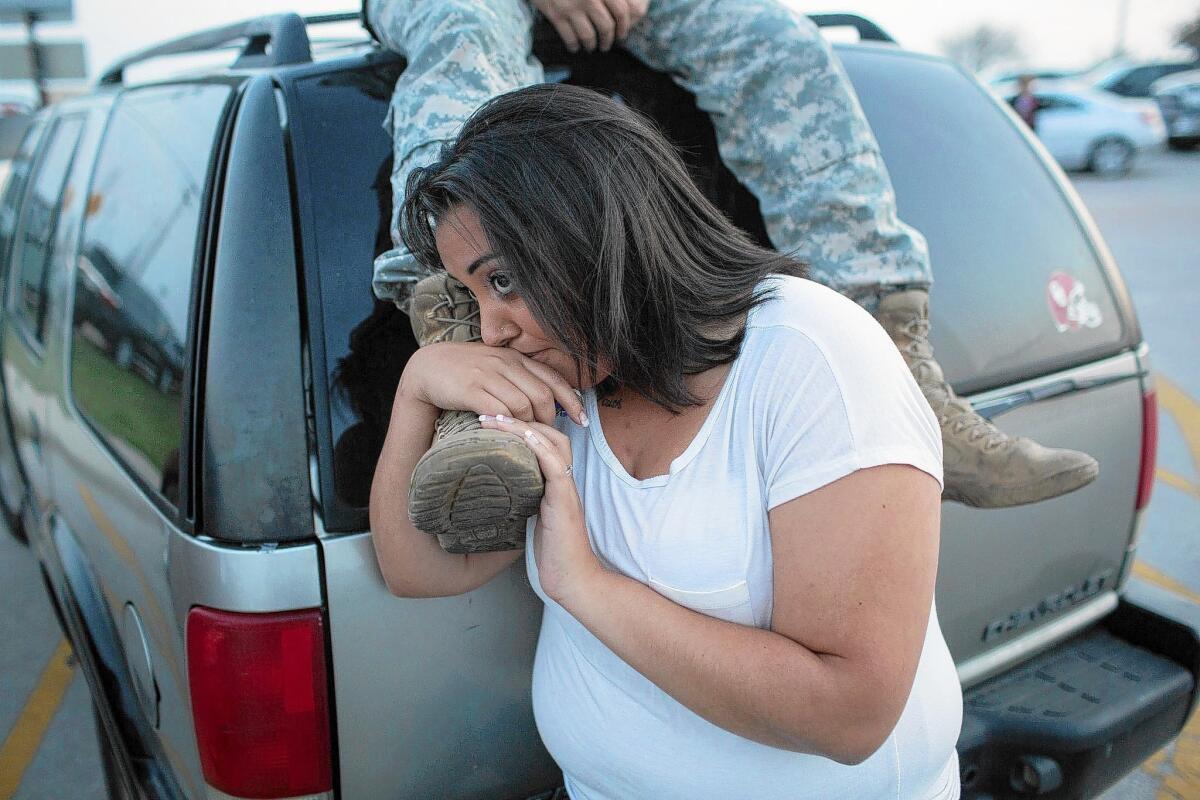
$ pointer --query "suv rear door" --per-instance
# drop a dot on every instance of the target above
(1026, 306)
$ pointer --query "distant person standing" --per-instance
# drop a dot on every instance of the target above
(1026, 103)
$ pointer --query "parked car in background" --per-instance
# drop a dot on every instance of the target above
(1133, 79)
(205, 540)
(1004, 77)
(1178, 98)
(1086, 128)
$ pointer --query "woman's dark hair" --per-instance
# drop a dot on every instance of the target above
(608, 241)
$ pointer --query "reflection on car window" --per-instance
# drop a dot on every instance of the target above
(46, 200)
(1057, 101)
(18, 177)
(134, 276)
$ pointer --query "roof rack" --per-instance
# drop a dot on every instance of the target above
(867, 30)
(272, 41)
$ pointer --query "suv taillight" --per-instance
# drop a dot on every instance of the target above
(1149, 448)
(260, 702)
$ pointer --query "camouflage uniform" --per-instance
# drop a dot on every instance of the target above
(787, 121)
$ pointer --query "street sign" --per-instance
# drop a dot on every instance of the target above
(43, 10)
(59, 60)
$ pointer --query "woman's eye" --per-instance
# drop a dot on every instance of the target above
(501, 283)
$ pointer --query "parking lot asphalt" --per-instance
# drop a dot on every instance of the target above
(1149, 220)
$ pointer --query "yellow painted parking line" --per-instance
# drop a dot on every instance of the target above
(26, 736)
(1149, 573)
(1186, 413)
(1177, 482)
(1183, 782)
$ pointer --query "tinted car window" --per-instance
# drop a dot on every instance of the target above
(133, 283)
(39, 218)
(18, 178)
(1004, 240)
(1136, 82)
(344, 158)
(1056, 101)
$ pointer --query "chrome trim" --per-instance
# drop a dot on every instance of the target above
(1115, 369)
(985, 665)
(259, 578)
(217, 794)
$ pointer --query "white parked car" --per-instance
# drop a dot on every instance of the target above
(1178, 97)
(1088, 128)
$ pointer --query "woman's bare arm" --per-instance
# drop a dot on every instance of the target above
(412, 562)
(854, 566)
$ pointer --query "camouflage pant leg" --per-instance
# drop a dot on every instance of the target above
(791, 129)
(460, 54)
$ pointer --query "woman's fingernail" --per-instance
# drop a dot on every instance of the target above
(501, 418)
(531, 436)
(578, 394)
(485, 417)
(583, 419)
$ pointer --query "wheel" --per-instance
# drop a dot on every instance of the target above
(1111, 157)
(123, 354)
(12, 499)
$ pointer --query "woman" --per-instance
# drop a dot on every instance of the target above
(739, 535)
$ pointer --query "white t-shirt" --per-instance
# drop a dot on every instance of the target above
(817, 392)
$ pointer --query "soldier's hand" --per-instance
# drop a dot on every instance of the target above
(592, 24)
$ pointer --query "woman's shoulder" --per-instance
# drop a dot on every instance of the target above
(833, 323)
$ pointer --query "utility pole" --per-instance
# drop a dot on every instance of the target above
(1122, 24)
(36, 67)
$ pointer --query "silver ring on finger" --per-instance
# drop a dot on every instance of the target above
(568, 470)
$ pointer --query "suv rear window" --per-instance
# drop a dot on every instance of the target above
(343, 166)
(134, 278)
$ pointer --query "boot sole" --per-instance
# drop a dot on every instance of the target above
(474, 491)
(1043, 489)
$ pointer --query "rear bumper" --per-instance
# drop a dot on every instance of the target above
(1073, 720)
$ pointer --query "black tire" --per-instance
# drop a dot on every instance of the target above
(1111, 157)
(13, 512)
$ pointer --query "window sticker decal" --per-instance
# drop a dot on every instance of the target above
(1069, 305)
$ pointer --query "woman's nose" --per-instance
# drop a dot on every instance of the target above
(496, 328)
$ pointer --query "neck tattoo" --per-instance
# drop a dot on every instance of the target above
(610, 402)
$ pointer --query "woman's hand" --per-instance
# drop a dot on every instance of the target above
(564, 556)
(469, 376)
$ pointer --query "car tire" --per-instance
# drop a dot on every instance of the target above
(1111, 157)
(14, 520)
(12, 505)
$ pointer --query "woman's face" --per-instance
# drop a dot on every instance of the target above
(505, 320)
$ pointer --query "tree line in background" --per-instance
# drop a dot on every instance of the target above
(987, 45)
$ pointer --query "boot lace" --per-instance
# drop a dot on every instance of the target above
(952, 412)
(456, 319)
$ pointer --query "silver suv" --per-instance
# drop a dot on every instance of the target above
(196, 384)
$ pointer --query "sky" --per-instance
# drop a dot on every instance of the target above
(1053, 33)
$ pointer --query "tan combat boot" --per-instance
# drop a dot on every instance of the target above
(983, 466)
(474, 488)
